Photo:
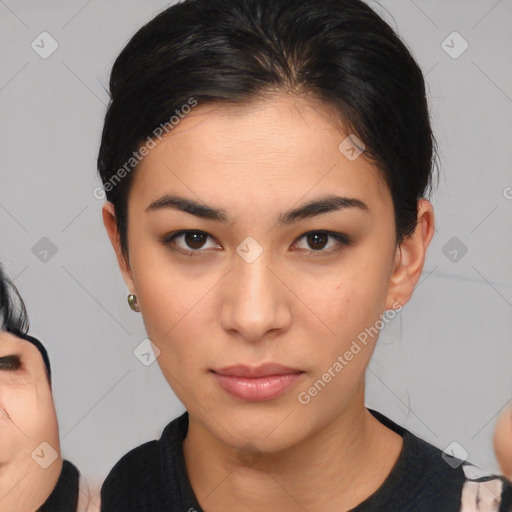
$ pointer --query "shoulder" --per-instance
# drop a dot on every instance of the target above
(65, 494)
(139, 460)
(427, 478)
(136, 482)
(435, 478)
(136, 474)
(460, 485)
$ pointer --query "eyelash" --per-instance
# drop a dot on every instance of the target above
(10, 363)
(342, 239)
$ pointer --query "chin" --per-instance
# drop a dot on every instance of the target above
(269, 428)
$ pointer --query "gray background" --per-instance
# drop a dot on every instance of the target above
(442, 368)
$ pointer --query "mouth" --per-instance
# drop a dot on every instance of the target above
(256, 384)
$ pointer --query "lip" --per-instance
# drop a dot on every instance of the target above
(258, 383)
(264, 370)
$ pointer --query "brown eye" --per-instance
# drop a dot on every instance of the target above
(10, 363)
(193, 239)
(319, 240)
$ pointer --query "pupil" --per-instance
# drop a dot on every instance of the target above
(315, 237)
(190, 240)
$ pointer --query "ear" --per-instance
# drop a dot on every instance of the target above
(109, 221)
(410, 257)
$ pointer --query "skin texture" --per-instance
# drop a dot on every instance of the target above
(294, 304)
(502, 441)
(89, 496)
(27, 419)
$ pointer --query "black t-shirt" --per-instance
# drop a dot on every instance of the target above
(153, 478)
(64, 497)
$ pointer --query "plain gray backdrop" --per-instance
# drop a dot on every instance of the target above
(442, 368)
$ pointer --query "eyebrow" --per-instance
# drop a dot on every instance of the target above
(326, 204)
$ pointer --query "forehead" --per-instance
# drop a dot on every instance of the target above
(276, 148)
(12, 343)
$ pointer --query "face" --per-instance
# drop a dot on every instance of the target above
(28, 470)
(261, 286)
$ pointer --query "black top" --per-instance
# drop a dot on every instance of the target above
(64, 497)
(153, 478)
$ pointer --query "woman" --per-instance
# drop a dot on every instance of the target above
(266, 165)
(33, 475)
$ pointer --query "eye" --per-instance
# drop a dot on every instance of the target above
(195, 240)
(318, 239)
(10, 363)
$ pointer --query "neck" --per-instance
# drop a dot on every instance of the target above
(322, 472)
(24, 488)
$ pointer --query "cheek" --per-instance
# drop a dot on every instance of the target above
(173, 297)
(46, 426)
(167, 302)
(17, 427)
(176, 321)
(32, 415)
(349, 302)
(349, 308)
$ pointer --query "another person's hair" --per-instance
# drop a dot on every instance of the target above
(13, 314)
(338, 52)
(14, 318)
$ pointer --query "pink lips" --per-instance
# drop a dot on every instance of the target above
(256, 383)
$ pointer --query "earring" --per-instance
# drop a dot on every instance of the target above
(132, 301)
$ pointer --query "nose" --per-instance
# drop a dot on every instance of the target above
(256, 301)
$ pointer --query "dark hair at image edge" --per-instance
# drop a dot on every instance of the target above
(13, 314)
(14, 318)
(340, 53)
